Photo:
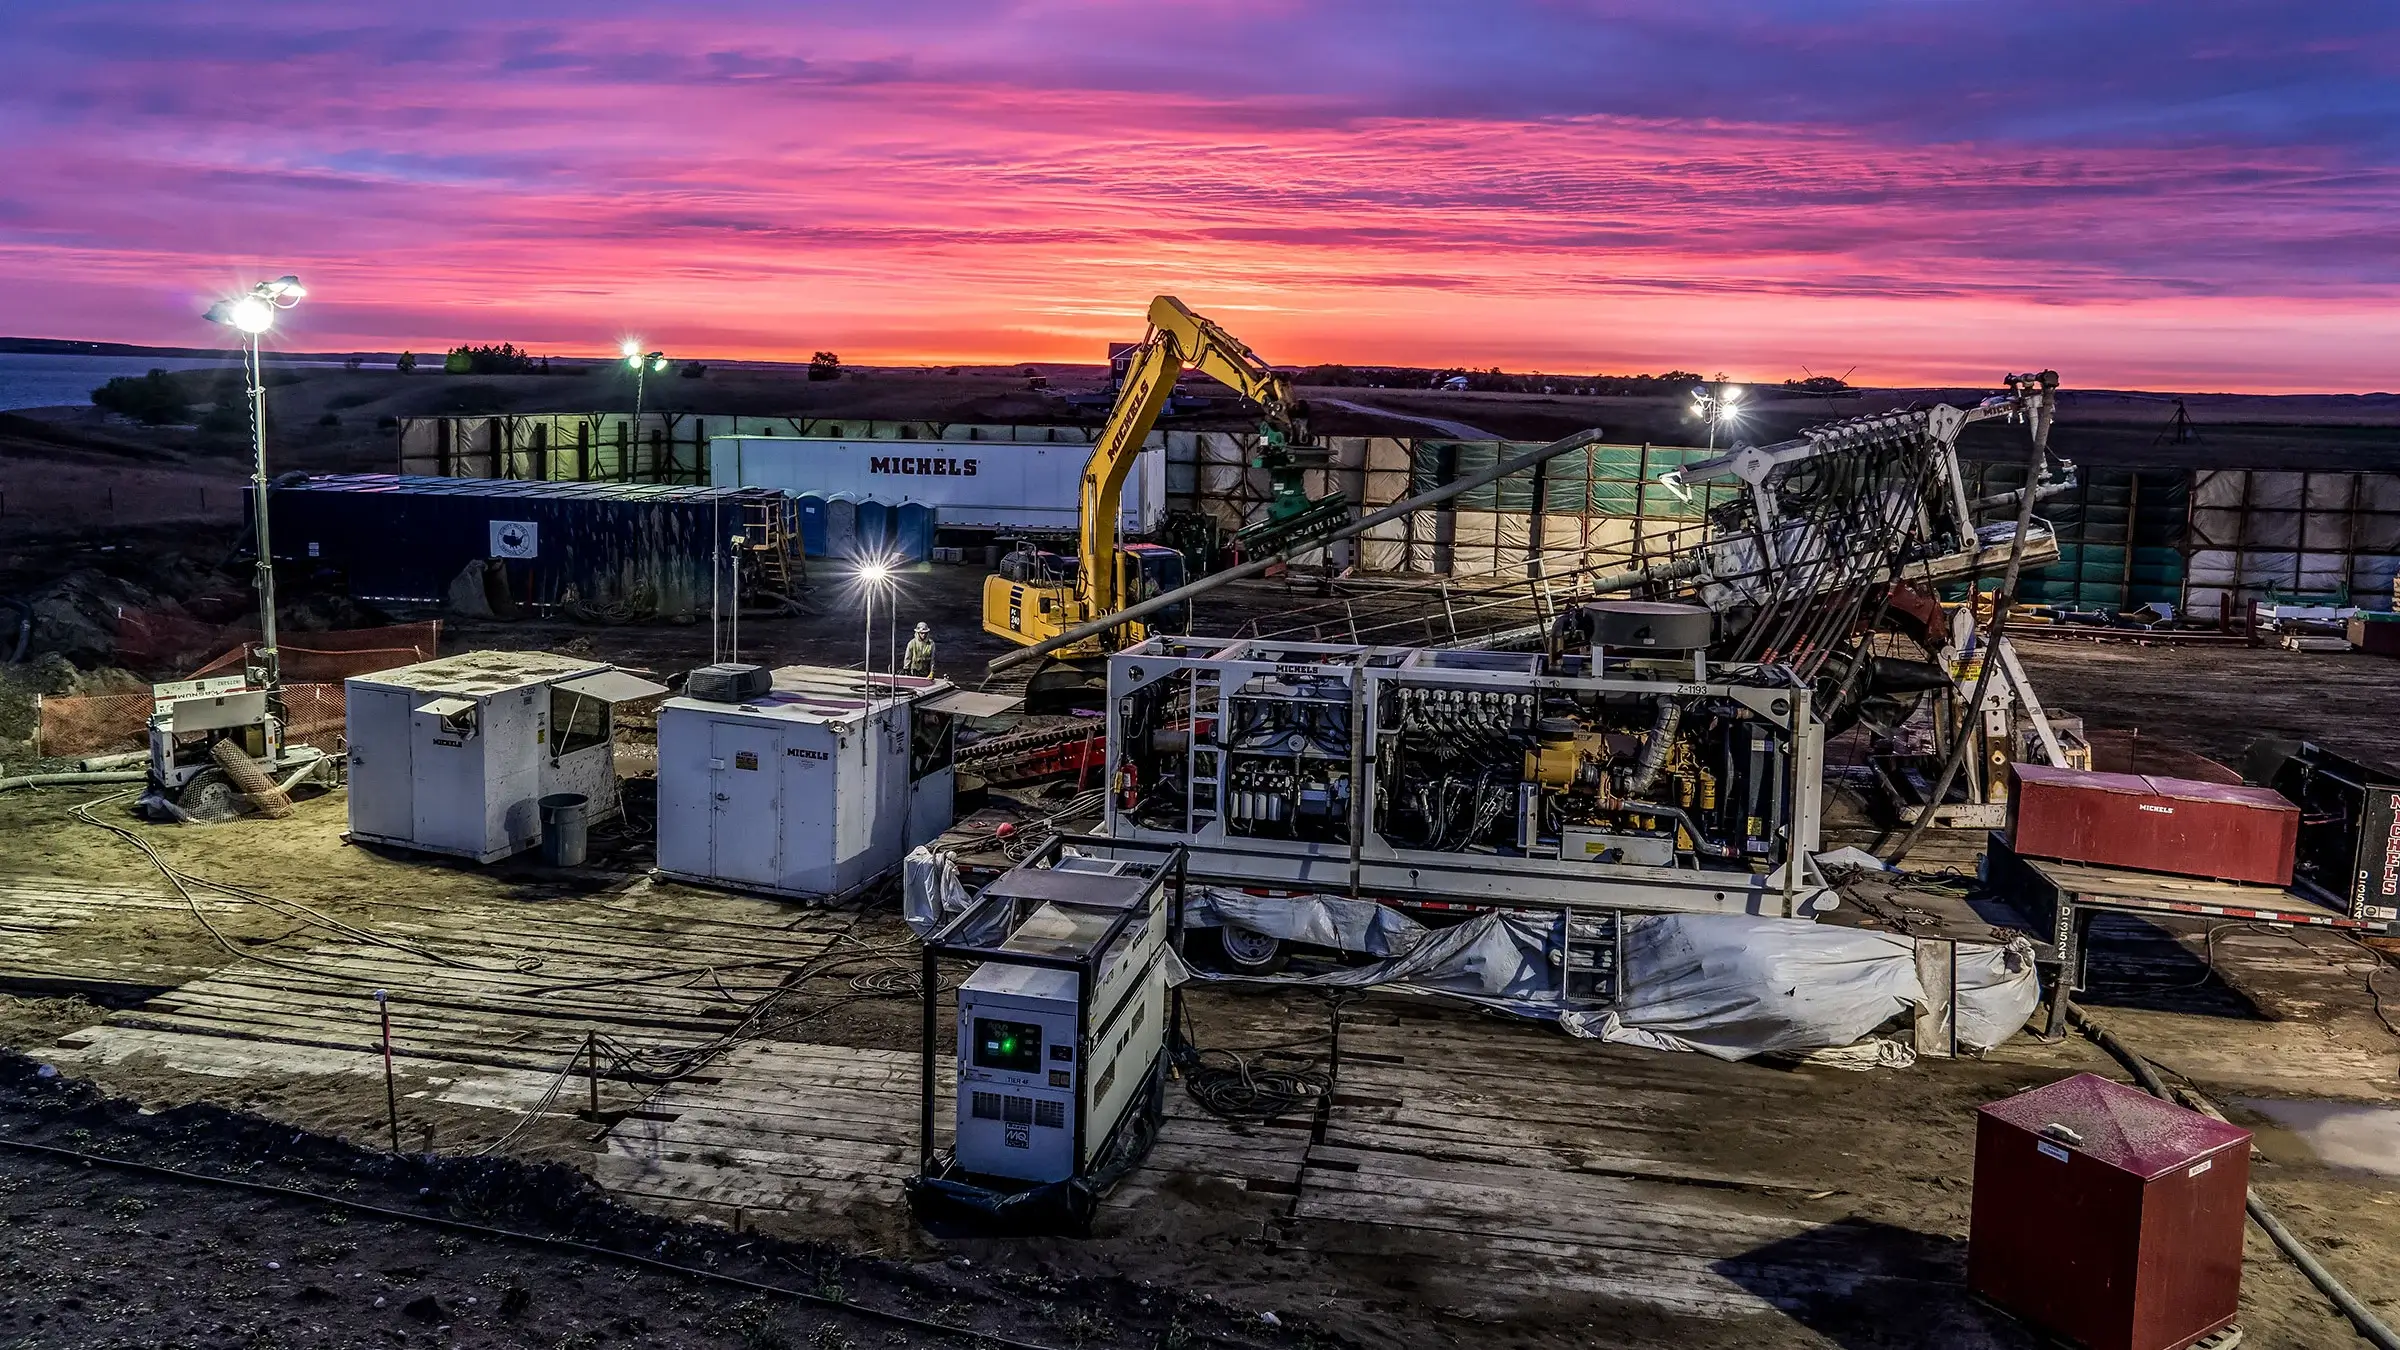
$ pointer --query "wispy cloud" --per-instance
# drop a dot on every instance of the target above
(2150, 188)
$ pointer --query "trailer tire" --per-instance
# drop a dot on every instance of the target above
(1246, 951)
(210, 797)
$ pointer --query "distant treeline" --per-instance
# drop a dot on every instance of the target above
(1497, 380)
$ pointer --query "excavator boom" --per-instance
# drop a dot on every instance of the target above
(1178, 340)
(1029, 604)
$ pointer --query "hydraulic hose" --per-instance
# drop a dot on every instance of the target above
(2369, 1325)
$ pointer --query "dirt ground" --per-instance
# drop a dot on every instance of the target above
(456, 1252)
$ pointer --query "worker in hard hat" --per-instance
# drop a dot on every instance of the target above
(918, 659)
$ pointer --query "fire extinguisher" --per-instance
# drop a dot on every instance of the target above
(1129, 785)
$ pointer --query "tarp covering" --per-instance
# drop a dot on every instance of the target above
(1995, 989)
(1497, 960)
(930, 891)
(1332, 921)
(1729, 985)
(1736, 985)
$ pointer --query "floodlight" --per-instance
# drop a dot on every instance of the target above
(874, 573)
(1732, 393)
(658, 360)
(281, 288)
(631, 349)
(250, 314)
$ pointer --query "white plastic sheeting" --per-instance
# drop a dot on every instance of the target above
(1728, 985)
(1332, 921)
(1736, 985)
(1994, 989)
(1496, 960)
(930, 891)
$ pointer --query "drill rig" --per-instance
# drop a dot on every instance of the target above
(1662, 751)
(1036, 596)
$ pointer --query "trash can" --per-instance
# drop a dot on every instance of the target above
(564, 833)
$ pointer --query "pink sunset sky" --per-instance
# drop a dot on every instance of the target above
(2192, 195)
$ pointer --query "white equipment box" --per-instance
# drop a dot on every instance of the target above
(1007, 486)
(1045, 1076)
(453, 755)
(813, 789)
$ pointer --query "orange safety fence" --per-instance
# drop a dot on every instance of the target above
(342, 654)
(101, 724)
(98, 724)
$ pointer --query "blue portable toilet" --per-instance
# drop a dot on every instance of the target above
(913, 534)
(874, 530)
(811, 511)
(841, 527)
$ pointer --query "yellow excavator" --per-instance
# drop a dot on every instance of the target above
(1036, 595)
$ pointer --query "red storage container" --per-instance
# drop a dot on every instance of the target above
(2194, 829)
(2107, 1216)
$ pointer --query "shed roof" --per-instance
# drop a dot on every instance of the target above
(476, 673)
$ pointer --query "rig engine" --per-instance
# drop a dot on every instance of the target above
(1635, 778)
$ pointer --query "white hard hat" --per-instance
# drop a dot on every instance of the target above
(924, 628)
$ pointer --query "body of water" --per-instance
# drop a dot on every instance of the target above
(53, 381)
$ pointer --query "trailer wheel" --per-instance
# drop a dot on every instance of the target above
(210, 797)
(1250, 952)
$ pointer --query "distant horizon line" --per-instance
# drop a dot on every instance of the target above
(38, 346)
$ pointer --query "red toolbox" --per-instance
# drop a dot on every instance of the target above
(2107, 1216)
(2220, 830)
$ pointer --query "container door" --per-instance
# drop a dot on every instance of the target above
(745, 780)
(382, 796)
(812, 525)
(841, 528)
(452, 810)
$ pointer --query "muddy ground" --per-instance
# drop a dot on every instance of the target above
(431, 1251)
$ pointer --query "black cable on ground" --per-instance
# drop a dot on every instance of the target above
(868, 1311)
(1258, 1086)
(2362, 1317)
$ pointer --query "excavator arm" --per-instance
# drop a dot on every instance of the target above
(1178, 340)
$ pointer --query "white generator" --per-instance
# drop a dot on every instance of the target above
(1054, 1051)
(813, 788)
(454, 756)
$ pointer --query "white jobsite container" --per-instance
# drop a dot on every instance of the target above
(1005, 486)
(454, 755)
(814, 789)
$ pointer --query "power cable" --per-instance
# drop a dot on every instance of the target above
(2363, 1318)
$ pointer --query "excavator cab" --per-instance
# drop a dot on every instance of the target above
(1150, 570)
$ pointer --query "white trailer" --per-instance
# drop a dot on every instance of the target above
(1002, 486)
(454, 755)
(813, 789)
